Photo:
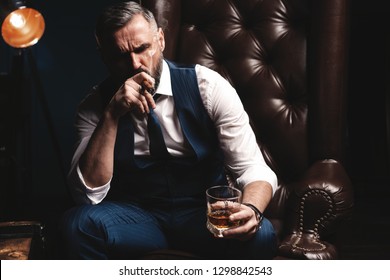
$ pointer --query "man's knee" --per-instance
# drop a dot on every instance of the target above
(110, 229)
(76, 220)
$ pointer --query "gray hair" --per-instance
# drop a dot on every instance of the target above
(116, 16)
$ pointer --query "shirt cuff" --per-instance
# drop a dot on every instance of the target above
(97, 194)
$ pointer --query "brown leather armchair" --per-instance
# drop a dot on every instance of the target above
(287, 60)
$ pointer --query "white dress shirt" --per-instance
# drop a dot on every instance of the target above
(237, 140)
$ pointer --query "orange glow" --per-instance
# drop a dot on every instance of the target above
(23, 28)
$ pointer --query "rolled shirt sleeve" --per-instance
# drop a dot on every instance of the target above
(86, 121)
(242, 154)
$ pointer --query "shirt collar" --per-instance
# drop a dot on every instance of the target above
(165, 87)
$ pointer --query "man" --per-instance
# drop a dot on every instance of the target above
(137, 198)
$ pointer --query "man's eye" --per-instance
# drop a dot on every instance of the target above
(141, 49)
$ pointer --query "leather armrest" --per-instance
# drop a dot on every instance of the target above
(316, 207)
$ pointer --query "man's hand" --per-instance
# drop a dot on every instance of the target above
(248, 224)
(257, 193)
(134, 94)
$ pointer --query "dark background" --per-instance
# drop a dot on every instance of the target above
(69, 65)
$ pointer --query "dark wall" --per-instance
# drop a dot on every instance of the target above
(68, 65)
(369, 97)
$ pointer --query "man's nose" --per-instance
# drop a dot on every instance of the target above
(135, 60)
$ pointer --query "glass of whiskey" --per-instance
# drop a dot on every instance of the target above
(222, 201)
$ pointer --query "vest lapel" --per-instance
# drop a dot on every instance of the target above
(193, 117)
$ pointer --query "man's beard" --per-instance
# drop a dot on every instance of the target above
(155, 72)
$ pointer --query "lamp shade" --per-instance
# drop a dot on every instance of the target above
(23, 27)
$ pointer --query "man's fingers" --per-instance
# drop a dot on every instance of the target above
(144, 79)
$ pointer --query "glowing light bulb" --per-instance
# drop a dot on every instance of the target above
(23, 27)
(17, 20)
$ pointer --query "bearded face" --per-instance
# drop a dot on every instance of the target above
(134, 48)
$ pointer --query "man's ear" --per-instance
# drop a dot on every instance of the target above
(161, 39)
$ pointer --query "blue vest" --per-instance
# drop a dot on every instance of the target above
(147, 178)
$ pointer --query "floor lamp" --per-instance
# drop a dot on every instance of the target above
(22, 28)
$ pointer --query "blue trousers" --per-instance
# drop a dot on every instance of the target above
(121, 230)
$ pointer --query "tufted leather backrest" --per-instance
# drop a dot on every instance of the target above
(249, 43)
(287, 60)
